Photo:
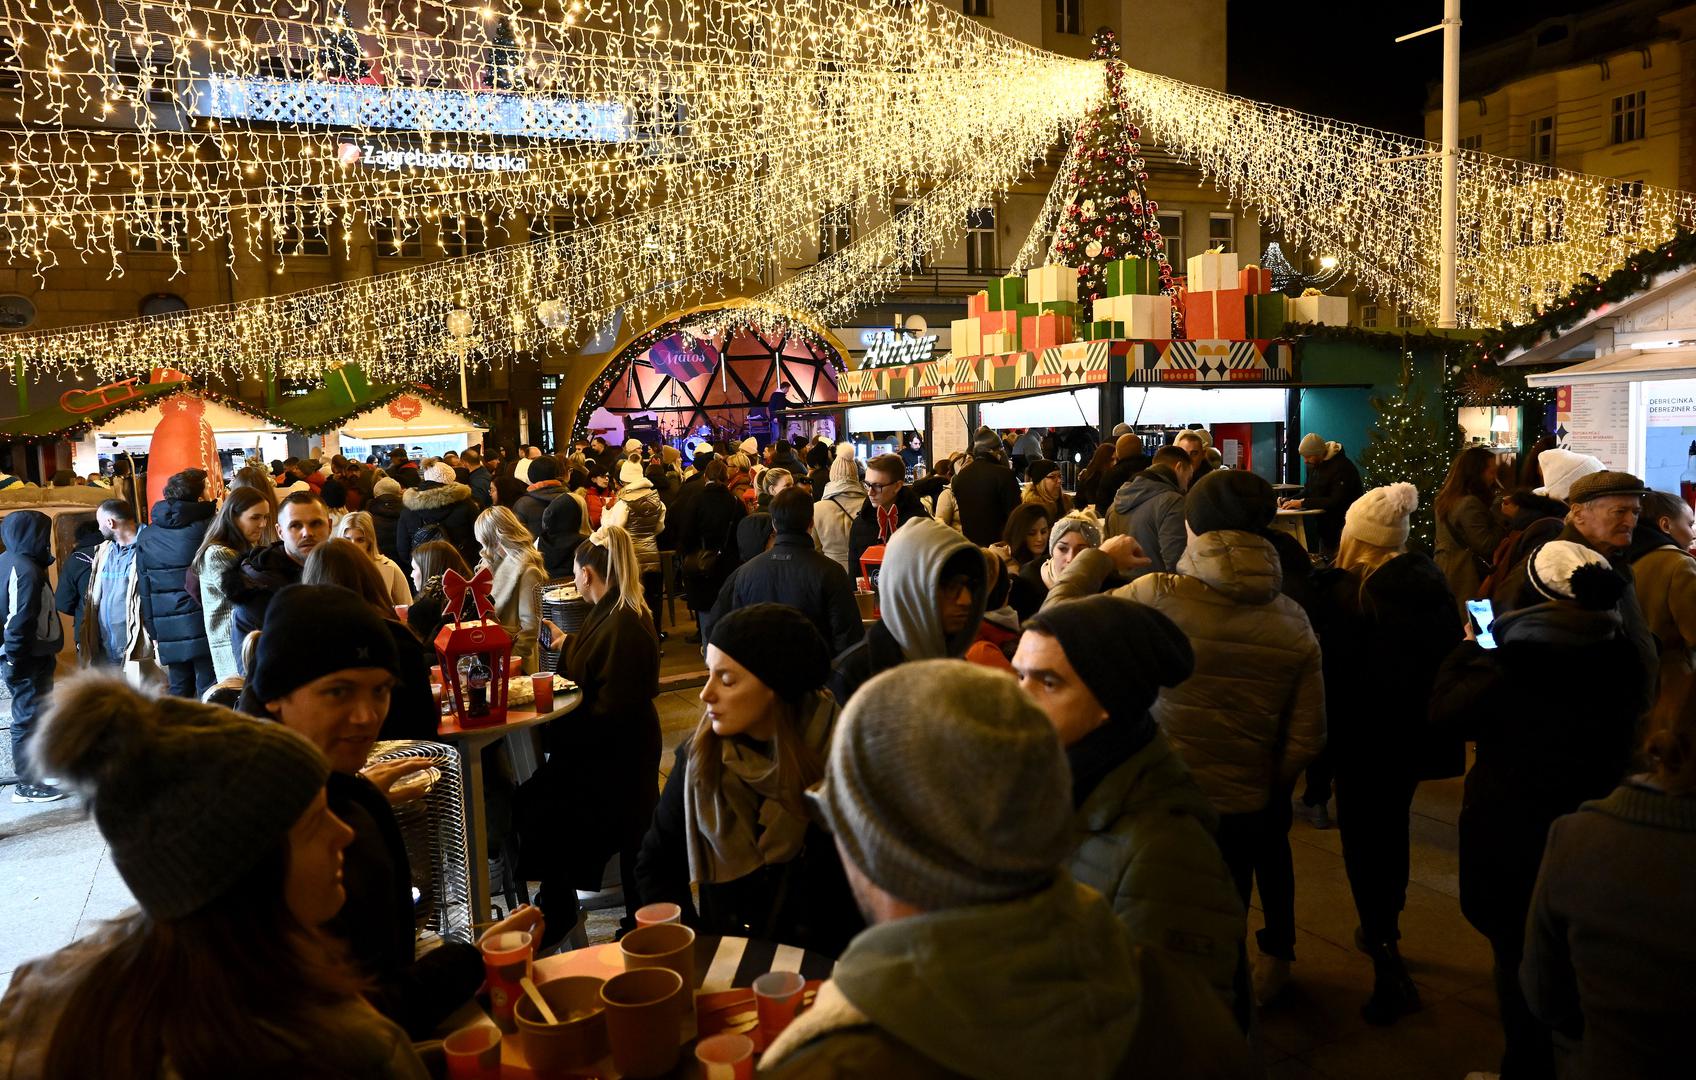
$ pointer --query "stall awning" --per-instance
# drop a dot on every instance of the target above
(936, 399)
(1627, 365)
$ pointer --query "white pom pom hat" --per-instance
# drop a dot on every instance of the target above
(1380, 516)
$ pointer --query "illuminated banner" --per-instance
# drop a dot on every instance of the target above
(890, 347)
(393, 160)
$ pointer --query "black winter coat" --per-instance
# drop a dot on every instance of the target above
(562, 531)
(478, 480)
(710, 525)
(448, 506)
(385, 518)
(864, 532)
(1381, 651)
(987, 493)
(677, 512)
(805, 902)
(533, 505)
(873, 655)
(32, 627)
(250, 584)
(376, 923)
(1332, 486)
(1554, 709)
(72, 590)
(165, 550)
(800, 576)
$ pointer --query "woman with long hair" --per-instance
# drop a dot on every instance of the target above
(1025, 538)
(1385, 622)
(241, 524)
(359, 529)
(596, 794)
(428, 613)
(1089, 480)
(1467, 528)
(733, 819)
(509, 551)
(259, 479)
(224, 968)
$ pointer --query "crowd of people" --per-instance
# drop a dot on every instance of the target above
(1026, 808)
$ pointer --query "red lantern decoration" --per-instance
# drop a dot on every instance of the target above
(476, 656)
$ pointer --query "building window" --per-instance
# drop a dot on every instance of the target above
(1066, 19)
(1403, 320)
(980, 240)
(1630, 112)
(1625, 208)
(836, 230)
(145, 76)
(300, 226)
(11, 67)
(157, 224)
(1554, 220)
(463, 236)
(1543, 140)
(550, 393)
(1222, 232)
(1172, 232)
(1472, 142)
(397, 239)
(980, 8)
(1369, 316)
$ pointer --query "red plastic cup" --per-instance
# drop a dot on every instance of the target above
(400, 611)
(777, 998)
(658, 914)
(474, 1053)
(506, 960)
(436, 674)
(726, 1057)
(544, 685)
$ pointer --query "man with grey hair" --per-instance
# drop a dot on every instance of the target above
(950, 800)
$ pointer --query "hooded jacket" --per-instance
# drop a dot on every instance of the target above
(164, 551)
(919, 556)
(986, 493)
(1145, 842)
(32, 622)
(639, 511)
(1059, 992)
(1253, 714)
(795, 574)
(449, 506)
(562, 531)
(385, 518)
(833, 520)
(1332, 486)
(533, 504)
(1150, 510)
(250, 584)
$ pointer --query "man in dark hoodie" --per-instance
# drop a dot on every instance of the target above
(1333, 484)
(403, 469)
(33, 637)
(1150, 509)
(477, 478)
(931, 598)
(385, 508)
(438, 504)
(165, 550)
(72, 591)
(890, 504)
(303, 522)
(986, 491)
(543, 490)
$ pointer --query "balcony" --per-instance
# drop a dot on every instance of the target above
(945, 283)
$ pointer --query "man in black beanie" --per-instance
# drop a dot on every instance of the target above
(544, 488)
(986, 491)
(1146, 829)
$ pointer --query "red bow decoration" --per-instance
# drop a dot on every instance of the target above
(481, 585)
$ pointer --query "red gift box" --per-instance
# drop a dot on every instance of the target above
(1217, 314)
(1254, 280)
(999, 322)
(1038, 332)
(977, 305)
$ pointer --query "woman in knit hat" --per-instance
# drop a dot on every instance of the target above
(1066, 537)
(1044, 488)
(732, 819)
(1554, 708)
(221, 829)
(837, 508)
(1468, 530)
(1385, 621)
(326, 668)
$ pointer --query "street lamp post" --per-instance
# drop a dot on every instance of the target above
(462, 343)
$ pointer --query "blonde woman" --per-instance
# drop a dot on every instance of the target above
(360, 528)
(509, 551)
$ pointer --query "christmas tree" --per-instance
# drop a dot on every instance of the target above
(1407, 444)
(339, 53)
(1110, 216)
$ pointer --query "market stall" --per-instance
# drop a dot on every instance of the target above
(356, 417)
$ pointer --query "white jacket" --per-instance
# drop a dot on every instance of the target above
(833, 517)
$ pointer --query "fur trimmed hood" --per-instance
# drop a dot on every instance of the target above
(432, 496)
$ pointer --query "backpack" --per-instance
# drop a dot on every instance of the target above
(426, 533)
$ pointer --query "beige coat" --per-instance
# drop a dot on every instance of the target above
(1666, 587)
(517, 606)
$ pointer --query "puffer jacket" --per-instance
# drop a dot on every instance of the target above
(164, 551)
(1150, 510)
(562, 531)
(385, 518)
(833, 519)
(33, 628)
(1146, 844)
(639, 511)
(448, 505)
(1253, 714)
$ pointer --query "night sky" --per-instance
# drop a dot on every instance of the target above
(1342, 62)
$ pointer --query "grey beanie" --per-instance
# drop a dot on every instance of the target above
(947, 786)
(1075, 523)
(1311, 446)
(189, 796)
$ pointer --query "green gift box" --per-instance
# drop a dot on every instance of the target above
(1266, 314)
(1025, 311)
(347, 384)
(1068, 308)
(1133, 277)
(1102, 331)
(1006, 292)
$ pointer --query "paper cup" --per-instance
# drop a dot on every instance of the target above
(658, 914)
(641, 1011)
(777, 997)
(578, 1040)
(436, 674)
(726, 1057)
(544, 687)
(506, 959)
(473, 1053)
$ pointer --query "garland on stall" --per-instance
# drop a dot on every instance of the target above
(377, 401)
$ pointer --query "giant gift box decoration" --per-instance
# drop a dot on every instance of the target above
(966, 336)
(1265, 315)
(1133, 277)
(1254, 280)
(1144, 316)
(1005, 292)
(1038, 332)
(1213, 271)
(1320, 309)
(1217, 313)
(1052, 283)
(476, 656)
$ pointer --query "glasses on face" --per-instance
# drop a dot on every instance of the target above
(875, 488)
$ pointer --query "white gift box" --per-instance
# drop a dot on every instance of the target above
(1323, 310)
(1051, 284)
(967, 337)
(1212, 271)
(998, 344)
(1145, 317)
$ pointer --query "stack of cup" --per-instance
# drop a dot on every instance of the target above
(641, 1012)
(506, 960)
(777, 998)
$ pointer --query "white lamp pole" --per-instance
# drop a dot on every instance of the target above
(1448, 227)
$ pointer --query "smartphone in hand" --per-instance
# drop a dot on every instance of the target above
(1482, 614)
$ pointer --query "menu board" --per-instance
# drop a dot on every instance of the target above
(1669, 443)
(1595, 419)
(948, 432)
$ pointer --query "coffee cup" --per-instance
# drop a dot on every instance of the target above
(506, 959)
(666, 945)
(658, 914)
(641, 1014)
(726, 1057)
(473, 1053)
(777, 997)
(544, 687)
(578, 1040)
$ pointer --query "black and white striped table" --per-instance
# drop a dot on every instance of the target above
(721, 963)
